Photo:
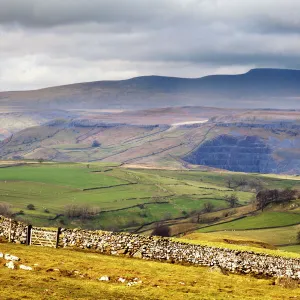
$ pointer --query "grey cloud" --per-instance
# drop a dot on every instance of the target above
(113, 39)
(41, 13)
(56, 12)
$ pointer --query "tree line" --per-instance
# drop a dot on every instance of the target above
(266, 197)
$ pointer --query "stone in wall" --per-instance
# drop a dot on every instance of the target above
(18, 230)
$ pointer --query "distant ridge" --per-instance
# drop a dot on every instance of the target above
(258, 88)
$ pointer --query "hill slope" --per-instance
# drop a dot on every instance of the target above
(67, 274)
(264, 141)
(260, 88)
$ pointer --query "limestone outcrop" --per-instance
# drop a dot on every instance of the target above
(235, 153)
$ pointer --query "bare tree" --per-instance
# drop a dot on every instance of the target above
(229, 182)
(71, 211)
(208, 207)
(233, 200)
(265, 197)
(5, 209)
(241, 181)
(256, 184)
(84, 212)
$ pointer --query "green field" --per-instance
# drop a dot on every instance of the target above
(292, 248)
(139, 199)
(220, 178)
(275, 236)
(71, 175)
(263, 220)
(107, 188)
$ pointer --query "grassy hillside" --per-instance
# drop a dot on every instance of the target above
(69, 274)
(276, 236)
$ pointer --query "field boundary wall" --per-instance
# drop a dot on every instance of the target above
(161, 249)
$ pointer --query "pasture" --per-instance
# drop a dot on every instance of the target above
(123, 197)
(262, 220)
(69, 175)
(130, 199)
(276, 236)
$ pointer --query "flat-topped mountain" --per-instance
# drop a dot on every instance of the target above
(258, 88)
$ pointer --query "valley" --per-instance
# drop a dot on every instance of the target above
(70, 158)
(149, 150)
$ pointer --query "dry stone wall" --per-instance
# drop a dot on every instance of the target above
(105, 242)
(232, 260)
(165, 249)
(13, 230)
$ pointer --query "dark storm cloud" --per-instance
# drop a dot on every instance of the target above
(268, 14)
(111, 39)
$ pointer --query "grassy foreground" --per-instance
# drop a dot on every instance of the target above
(77, 278)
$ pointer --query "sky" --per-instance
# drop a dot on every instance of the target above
(48, 43)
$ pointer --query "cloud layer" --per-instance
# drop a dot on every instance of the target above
(45, 43)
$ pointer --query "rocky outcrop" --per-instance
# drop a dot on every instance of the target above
(235, 153)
